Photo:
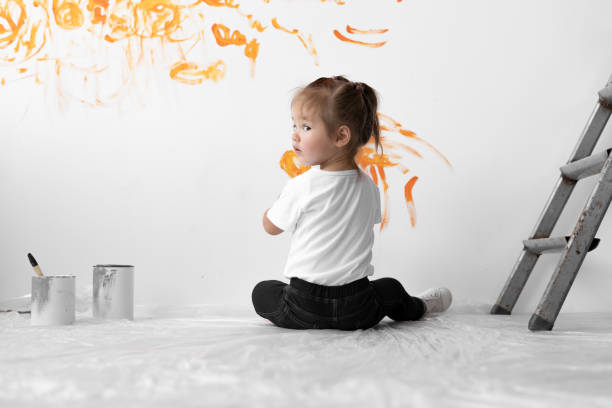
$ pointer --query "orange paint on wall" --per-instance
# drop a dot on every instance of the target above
(118, 24)
(156, 18)
(255, 23)
(289, 165)
(409, 200)
(353, 30)
(306, 42)
(276, 25)
(14, 15)
(147, 32)
(221, 3)
(99, 9)
(67, 14)
(224, 38)
(190, 73)
(390, 125)
(365, 44)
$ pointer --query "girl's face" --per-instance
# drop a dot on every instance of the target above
(311, 141)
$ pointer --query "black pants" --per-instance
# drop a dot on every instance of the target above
(357, 305)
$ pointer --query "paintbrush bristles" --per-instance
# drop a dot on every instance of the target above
(32, 260)
(35, 265)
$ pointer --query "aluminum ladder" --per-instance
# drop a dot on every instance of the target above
(574, 248)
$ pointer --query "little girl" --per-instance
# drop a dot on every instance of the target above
(331, 211)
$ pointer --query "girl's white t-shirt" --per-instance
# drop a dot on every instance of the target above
(332, 216)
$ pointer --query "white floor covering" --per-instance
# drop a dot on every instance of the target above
(207, 355)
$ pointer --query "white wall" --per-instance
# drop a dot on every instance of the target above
(176, 182)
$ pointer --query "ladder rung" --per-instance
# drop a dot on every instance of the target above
(555, 244)
(605, 95)
(586, 167)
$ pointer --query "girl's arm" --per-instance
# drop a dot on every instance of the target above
(269, 227)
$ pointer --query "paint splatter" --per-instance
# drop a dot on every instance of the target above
(395, 154)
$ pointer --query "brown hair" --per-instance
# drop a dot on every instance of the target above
(339, 102)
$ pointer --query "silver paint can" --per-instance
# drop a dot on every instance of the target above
(52, 300)
(113, 291)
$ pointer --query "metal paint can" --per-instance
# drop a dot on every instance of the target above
(52, 301)
(113, 291)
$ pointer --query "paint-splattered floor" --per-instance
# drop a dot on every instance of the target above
(194, 356)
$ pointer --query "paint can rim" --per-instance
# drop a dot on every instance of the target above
(113, 266)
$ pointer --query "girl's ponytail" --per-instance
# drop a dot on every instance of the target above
(371, 126)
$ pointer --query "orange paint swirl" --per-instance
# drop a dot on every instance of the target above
(156, 18)
(190, 73)
(68, 15)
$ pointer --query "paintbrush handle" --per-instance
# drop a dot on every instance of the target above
(38, 271)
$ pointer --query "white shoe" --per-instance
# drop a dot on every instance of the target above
(436, 300)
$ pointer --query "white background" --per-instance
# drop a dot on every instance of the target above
(176, 182)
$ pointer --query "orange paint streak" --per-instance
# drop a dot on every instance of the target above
(224, 38)
(412, 135)
(68, 15)
(221, 3)
(365, 44)
(373, 174)
(289, 165)
(250, 51)
(353, 30)
(98, 8)
(404, 147)
(389, 124)
(279, 27)
(389, 119)
(11, 10)
(20, 29)
(190, 73)
(119, 26)
(375, 164)
(93, 69)
(255, 24)
(409, 200)
(308, 45)
(31, 43)
(156, 18)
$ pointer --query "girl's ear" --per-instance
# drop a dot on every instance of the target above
(343, 136)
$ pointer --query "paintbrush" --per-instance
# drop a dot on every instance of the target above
(35, 265)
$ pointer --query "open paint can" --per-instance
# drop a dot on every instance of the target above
(113, 291)
(52, 300)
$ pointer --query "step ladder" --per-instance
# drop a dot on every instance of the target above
(574, 247)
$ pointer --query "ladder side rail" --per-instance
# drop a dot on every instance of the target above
(584, 232)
